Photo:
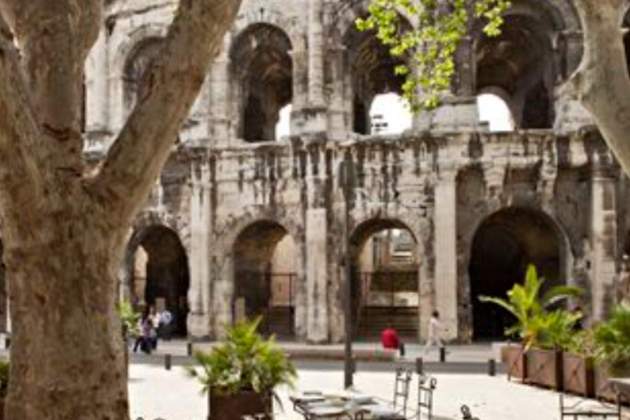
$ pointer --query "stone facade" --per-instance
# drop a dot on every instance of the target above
(479, 205)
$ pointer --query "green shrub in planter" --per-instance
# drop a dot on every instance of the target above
(245, 364)
(612, 341)
(530, 309)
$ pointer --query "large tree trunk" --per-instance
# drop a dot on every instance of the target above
(66, 357)
(64, 227)
(601, 81)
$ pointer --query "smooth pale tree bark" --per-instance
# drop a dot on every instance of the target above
(601, 81)
(63, 228)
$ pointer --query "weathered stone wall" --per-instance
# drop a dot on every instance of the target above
(230, 198)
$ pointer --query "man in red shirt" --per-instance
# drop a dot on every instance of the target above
(390, 340)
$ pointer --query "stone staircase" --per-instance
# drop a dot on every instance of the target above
(374, 319)
(278, 320)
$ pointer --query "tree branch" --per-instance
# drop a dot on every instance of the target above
(20, 173)
(55, 38)
(602, 82)
(136, 158)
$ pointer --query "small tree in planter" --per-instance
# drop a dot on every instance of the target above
(241, 373)
(612, 350)
(578, 363)
(525, 302)
(4, 385)
(129, 318)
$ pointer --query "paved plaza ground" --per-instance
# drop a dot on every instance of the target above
(156, 392)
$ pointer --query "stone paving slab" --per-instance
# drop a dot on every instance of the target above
(156, 392)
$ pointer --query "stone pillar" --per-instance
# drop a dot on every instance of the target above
(337, 115)
(300, 89)
(199, 291)
(445, 222)
(316, 275)
(315, 53)
(97, 94)
(603, 237)
(219, 97)
(315, 115)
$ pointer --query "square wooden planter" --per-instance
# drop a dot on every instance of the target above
(513, 357)
(603, 388)
(223, 407)
(544, 368)
(578, 375)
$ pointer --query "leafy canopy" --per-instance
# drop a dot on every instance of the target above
(244, 361)
(430, 45)
(535, 324)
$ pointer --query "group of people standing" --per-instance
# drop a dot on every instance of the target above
(152, 325)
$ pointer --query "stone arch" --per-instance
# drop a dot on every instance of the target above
(370, 70)
(504, 243)
(136, 65)
(262, 72)
(522, 62)
(385, 282)
(118, 62)
(157, 272)
(265, 272)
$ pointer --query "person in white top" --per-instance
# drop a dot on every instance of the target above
(435, 327)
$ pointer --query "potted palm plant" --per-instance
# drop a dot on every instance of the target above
(530, 310)
(240, 374)
(612, 350)
(4, 385)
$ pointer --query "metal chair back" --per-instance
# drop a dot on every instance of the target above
(426, 387)
(401, 389)
(466, 414)
(581, 408)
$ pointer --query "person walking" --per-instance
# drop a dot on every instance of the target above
(435, 330)
(164, 330)
(154, 320)
(143, 341)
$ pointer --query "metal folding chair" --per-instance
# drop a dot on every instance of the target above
(401, 390)
(426, 387)
(581, 408)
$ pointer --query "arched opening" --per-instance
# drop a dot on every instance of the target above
(160, 276)
(384, 278)
(265, 277)
(263, 69)
(372, 72)
(503, 246)
(389, 114)
(135, 84)
(521, 63)
(283, 127)
(494, 113)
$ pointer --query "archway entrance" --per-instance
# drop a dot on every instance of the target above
(263, 68)
(160, 275)
(385, 279)
(265, 277)
(503, 246)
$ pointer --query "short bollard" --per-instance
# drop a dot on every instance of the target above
(492, 367)
(189, 348)
(419, 366)
(7, 342)
(442, 354)
(167, 361)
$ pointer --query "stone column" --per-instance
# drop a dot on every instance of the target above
(315, 53)
(199, 292)
(445, 222)
(316, 275)
(300, 89)
(97, 94)
(315, 115)
(337, 121)
(603, 237)
(219, 98)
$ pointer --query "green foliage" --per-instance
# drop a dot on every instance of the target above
(245, 361)
(612, 339)
(4, 378)
(582, 343)
(430, 45)
(535, 325)
(129, 318)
